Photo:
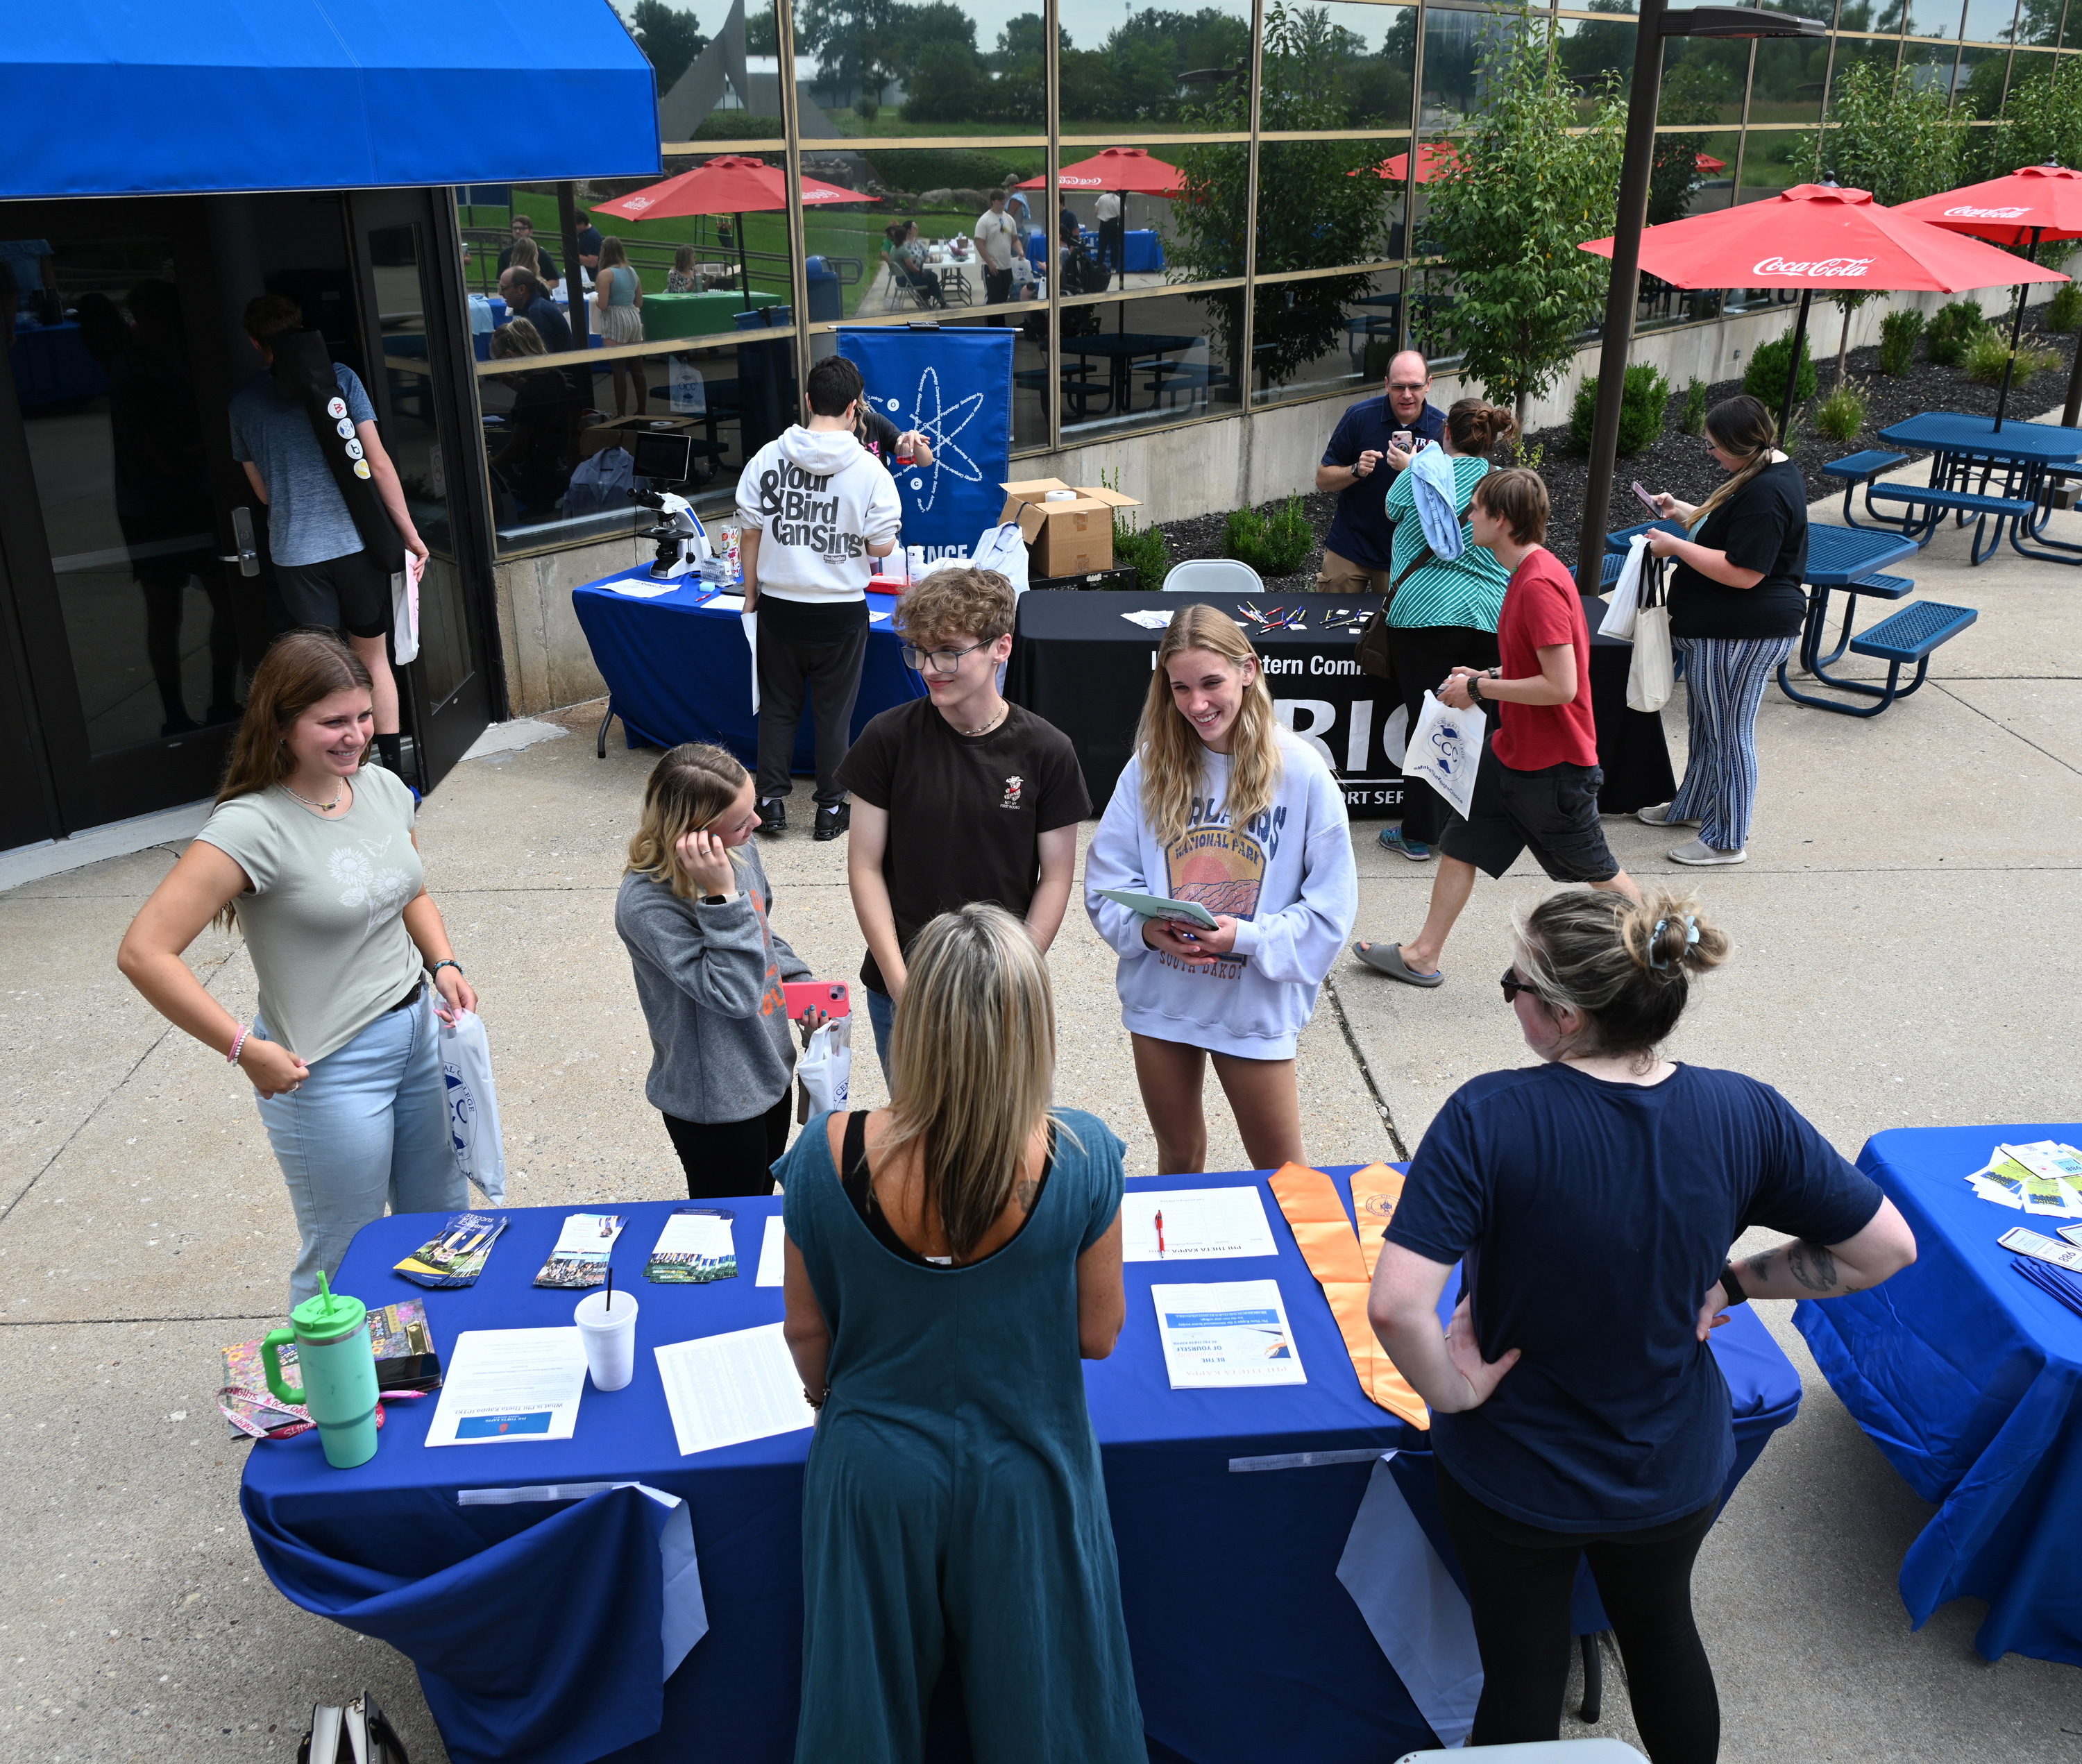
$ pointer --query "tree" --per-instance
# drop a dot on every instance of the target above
(2043, 120)
(670, 37)
(1693, 93)
(1885, 132)
(1508, 211)
(762, 36)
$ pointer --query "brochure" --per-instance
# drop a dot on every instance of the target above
(1157, 907)
(456, 1255)
(695, 1247)
(583, 1247)
(1229, 1334)
(506, 1386)
(772, 1252)
(406, 1366)
(1191, 1224)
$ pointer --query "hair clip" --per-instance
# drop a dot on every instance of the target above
(1692, 930)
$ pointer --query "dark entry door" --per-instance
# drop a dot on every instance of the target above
(410, 266)
(116, 493)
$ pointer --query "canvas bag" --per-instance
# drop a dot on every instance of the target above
(824, 1075)
(1445, 747)
(473, 1104)
(1619, 618)
(405, 610)
(1651, 676)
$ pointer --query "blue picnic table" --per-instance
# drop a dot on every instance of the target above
(2025, 455)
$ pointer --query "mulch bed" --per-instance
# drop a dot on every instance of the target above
(1680, 463)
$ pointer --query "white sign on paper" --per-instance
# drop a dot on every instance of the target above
(722, 1390)
(506, 1386)
(1189, 1224)
(771, 1253)
(1231, 1333)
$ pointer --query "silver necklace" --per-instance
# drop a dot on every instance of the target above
(323, 808)
(984, 729)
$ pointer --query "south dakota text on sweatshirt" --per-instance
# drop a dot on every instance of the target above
(817, 498)
(1287, 876)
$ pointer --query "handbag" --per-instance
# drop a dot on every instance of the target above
(360, 1733)
(1651, 675)
(1371, 652)
(1619, 618)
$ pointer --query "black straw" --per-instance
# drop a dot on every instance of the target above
(609, 1305)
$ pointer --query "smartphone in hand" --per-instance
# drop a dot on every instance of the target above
(1402, 439)
(1654, 506)
(829, 996)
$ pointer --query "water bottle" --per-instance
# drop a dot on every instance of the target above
(339, 1367)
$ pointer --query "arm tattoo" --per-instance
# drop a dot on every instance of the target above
(1813, 1266)
(1026, 1191)
(1759, 1266)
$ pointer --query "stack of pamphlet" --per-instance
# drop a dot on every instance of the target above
(406, 1365)
(2044, 1177)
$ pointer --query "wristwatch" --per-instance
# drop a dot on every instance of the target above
(1731, 1285)
(1474, 688)
(716, 900)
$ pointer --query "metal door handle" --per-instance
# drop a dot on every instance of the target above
(247, 556)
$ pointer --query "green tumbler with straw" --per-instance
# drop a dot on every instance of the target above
(339, 1367)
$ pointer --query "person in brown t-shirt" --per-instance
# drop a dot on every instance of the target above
(958, 796)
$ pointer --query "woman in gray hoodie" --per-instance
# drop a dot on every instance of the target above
(693, 910)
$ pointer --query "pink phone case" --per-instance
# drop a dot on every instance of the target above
(804, 996)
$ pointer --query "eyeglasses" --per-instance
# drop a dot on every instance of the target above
(1513, 985)
(1407, 385)
(943, 661)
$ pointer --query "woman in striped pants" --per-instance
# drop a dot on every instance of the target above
(1736, 603)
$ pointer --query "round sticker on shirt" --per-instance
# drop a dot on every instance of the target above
(361, 468)
(354, 450)
(343, 427)
(336, 409)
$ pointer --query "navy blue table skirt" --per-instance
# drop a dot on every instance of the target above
(678, 670)
(535, 1626)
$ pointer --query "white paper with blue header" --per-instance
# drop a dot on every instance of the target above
(1228, 1334)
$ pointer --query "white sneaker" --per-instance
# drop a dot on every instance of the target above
(1697, 851)
(1659, 816)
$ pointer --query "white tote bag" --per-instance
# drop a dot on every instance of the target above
(1626, 592)
(473, 1106)
(824, 1075)
(1445, 749)
(405, 610)
(1651, 676)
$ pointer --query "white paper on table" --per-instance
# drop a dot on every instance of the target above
(506, 1386)
(1189, 1224)
(590, 1235)
(1149, 621)
(637, 589)
(725, 603)
(696, 1235)
(1417, 1612)
(1227, 1334)
(722, 1390)
(771, 1254)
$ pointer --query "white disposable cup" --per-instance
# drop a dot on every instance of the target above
(609, 1336)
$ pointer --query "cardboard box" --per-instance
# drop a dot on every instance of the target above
(1074, 537)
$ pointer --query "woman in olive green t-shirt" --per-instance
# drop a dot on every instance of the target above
(314, 854)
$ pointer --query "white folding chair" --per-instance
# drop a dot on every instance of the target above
(1213, 575)
(1590, 1751)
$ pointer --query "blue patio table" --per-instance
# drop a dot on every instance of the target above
(535, 1625)
(1968, 1379)
(1121, 351)
(2019, 451)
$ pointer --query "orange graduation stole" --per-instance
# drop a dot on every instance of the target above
(1343, 1263)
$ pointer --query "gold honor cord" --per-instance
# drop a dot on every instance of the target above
(1342, 1262)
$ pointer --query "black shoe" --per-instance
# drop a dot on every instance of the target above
(773, 816)
(832, 822)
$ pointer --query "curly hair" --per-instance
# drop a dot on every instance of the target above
(957, 603)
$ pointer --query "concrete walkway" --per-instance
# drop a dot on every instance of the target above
(1904, 955)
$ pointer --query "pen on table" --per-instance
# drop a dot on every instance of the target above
(1159, 1231)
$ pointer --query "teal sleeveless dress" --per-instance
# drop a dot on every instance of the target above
(953, 1503)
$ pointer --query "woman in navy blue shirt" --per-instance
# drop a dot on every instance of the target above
(1592, 1200)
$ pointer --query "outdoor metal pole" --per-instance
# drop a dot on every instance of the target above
(567, 224)
(1792, 370)
(1621, 295)
(743, 266)
(2017, 326)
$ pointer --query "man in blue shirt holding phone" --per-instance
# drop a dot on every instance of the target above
(1360, 544)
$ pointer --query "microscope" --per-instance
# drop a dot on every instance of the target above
(683, 542)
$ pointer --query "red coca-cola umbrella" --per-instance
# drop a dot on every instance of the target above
(1819, 236)
(1126, 170)
(1707, 162)
(730, 183)
(1434, 159)
(2032, 202)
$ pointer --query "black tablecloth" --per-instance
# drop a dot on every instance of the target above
(1078, 662)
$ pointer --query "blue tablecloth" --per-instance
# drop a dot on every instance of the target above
(514, 1608)
(1970, 1379)
(677, 669)
(51, 366)
(1141, 252)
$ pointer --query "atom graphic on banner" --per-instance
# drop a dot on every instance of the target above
(939, 423)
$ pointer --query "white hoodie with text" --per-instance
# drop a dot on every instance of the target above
(1287, 878)
(817, 498)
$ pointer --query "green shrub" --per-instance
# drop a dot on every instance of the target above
(2063, 312)
(1143, 549)
(954, 168)
(1642, 407)
(1694, 416)
(1899, 332)
(1989, 352)
(1952, 329)
(1842, 415)
(1527, 456)
(1765, 376)
(1274, 545)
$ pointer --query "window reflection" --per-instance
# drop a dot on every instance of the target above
(1131, 363)
(1310, 338)
(1453, 45)
(1323, 203)
(1596, 53)
(1173, 69)
(1787, 84)
(1356, 61)
(1934, 18)
(890, 67)
(1990, 21)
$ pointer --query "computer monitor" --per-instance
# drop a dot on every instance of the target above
(665, 457)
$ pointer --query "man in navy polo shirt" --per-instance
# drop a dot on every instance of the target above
(1357, 550)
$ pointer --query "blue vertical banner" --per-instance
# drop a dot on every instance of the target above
(954, 387)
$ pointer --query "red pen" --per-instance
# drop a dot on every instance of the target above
(1160, 1232)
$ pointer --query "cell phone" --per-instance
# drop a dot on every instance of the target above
(1644, 495)
(1402, 439)
(805, 996)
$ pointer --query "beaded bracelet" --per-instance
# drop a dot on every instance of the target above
(238, 1042)
(445, 962)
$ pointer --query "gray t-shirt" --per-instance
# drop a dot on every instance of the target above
(307, 517)
(324, 923)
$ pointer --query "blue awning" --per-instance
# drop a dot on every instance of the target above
(155, 97)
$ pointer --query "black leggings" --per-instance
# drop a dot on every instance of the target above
(1519, 1579)
(1423, 656)
(724, 1159)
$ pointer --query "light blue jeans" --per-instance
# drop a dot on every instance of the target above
(369, 1125)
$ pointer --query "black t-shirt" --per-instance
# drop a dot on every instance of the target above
(549, 262)
(1591, 1219)
(965, 812)
(1762, 526)
(878, 434)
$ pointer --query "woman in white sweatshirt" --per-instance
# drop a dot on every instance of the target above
(1222, 806)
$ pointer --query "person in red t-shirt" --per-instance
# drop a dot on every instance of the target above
(1536, 787)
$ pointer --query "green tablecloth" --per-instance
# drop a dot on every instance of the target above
(696, 315)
